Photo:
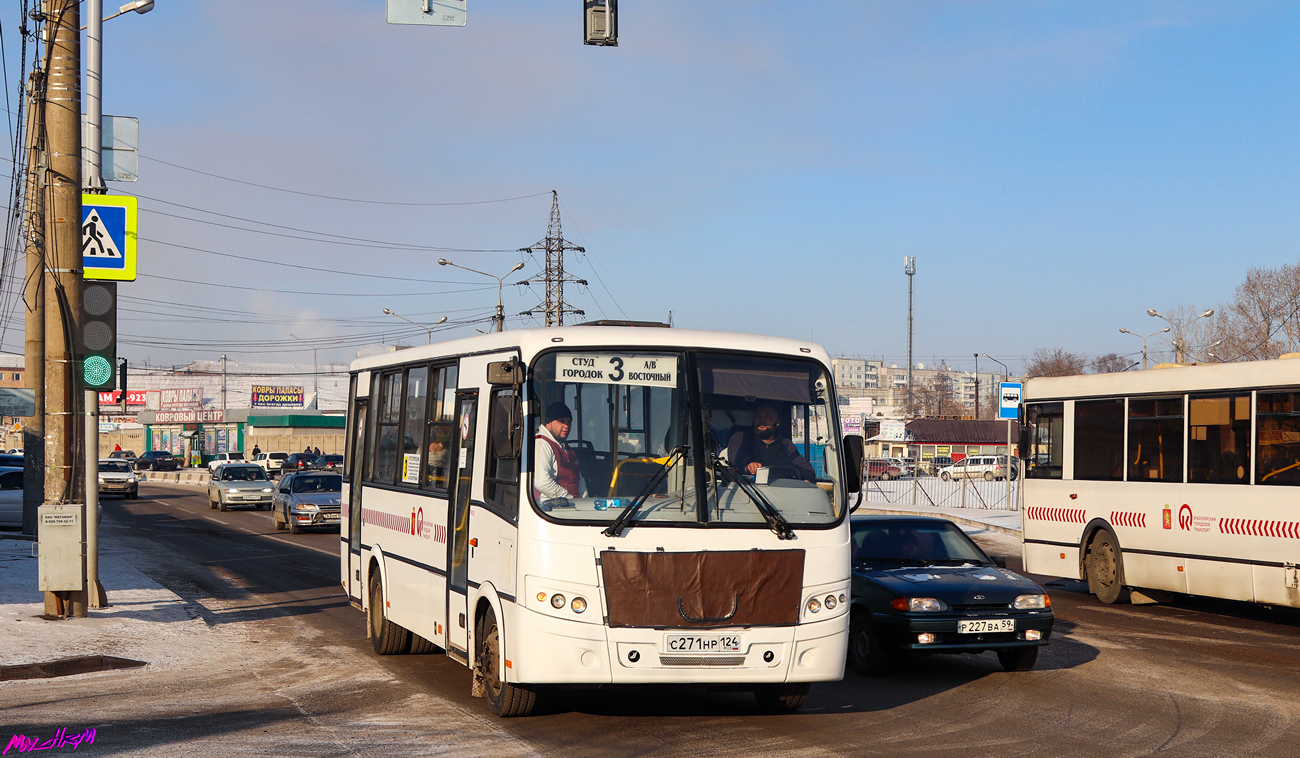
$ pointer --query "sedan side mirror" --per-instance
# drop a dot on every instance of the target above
(999, 561)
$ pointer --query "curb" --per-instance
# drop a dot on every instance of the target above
(950, 517)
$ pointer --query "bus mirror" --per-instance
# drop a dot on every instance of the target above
(505, 372)
(854, 454)
(1023, 452)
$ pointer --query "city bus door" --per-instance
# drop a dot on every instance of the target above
(356, 454)
(458, 545)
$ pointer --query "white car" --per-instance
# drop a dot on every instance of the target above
(270, 462)
(221, 458)
(986, 467)
(11, 497)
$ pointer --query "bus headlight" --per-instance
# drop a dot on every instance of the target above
(1028, 602)
(557, 601)
(814, 605)
(830, 602)
(578, 605)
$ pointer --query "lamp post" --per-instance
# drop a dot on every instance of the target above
(977, 386)
(315, 373)
(1178, 334)
(422, 326)
(1006, 373)
(1144, 342)
(500, 318)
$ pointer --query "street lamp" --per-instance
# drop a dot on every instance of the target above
(1144, 342)
(500, 318)
(1178, 336)
(91, 169)
(315, 374)
(977, 386)
(422, 326)
(1006, 372)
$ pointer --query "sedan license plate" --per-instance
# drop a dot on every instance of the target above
(982, 626)
(702, 643)
(331, 516)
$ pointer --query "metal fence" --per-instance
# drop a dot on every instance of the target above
(887, 489)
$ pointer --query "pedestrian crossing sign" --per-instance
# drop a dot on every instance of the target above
(108, 228)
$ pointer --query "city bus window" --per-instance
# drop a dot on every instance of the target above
(441, 423)
(417, 392)
(1099, 440)
(1278, 430)
(1218, 442)
(388, 417)
(1046, 439)
(505, 432)
(1155, 440)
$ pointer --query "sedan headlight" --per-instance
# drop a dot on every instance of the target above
(918, 604)
(131, 480)
(267, 489)
(306, 507)
(232, 491)
(101, 480)
(1028, 602)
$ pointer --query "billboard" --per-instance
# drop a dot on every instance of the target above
(181, 399)
(133, 397)
(268, 396)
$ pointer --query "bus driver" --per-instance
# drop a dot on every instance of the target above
(765, 447)
(556, 474)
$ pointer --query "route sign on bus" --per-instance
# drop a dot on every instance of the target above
(1009, 395)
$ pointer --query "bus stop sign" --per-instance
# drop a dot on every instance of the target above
(1009, 396)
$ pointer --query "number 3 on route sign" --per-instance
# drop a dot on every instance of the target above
(108, 226)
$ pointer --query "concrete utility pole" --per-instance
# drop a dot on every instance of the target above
(909, 268)
(34, 301)
(63, 406)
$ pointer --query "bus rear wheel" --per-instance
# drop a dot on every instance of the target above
(386, 637)
(782, 697)
(1106, 568)
(504, 699)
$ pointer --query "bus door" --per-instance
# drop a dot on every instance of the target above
(458, 546)
(356, 454)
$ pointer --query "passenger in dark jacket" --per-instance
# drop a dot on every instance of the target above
(766, 447)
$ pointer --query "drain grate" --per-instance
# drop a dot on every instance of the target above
(82, 664)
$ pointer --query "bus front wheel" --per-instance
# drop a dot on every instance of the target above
(386, 637)
(782, 697)
(1106, 568)
(504, 699)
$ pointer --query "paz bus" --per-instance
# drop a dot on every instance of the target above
(1182, 479)
(664, 564)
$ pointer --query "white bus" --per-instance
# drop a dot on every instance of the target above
(1182, 479)
(662, 562)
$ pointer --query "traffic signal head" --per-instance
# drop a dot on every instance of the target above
(98, 343)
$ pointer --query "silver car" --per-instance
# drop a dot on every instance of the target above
(116, 477)
(239, 484)
(307, 498)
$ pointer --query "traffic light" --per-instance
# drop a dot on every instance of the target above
(98, 346)
(600, 22)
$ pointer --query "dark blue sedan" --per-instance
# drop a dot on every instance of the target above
(921, 585)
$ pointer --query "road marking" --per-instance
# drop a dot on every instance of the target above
(267, 515)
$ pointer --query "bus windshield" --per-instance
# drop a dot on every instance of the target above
(684, 438)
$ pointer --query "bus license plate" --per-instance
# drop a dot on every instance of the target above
(982, 626)
(702, 643)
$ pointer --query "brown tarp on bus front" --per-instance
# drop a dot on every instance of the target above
(704, 589)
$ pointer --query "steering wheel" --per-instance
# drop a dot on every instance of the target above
(782, 472)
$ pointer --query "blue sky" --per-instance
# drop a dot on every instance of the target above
(1056, 168)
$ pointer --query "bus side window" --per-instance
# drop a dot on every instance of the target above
(505, 435)
(1046, 427)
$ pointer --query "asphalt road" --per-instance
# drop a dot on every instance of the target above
(1187, 679)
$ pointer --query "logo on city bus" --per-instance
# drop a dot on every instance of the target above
(1185, 517)
(1168, 522)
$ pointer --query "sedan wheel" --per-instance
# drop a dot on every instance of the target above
(1018, 658)
(988, 476)
(944, 475)
(866, 654)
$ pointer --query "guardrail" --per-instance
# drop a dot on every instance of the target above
(175, 477)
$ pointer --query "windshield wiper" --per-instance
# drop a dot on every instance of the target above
(775, 521)
(616, 529)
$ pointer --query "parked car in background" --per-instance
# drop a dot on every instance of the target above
(7, 459)
(157, 460)
(921, 585)
(222, 458)
(307, 499)
(298, 461)
(11, 497)
(15, 451)
(328, 462)
(270, 462)
(239, 484)
(125, 455)
(909, 469)
(116, 477)
(931, 466)
(883, 468)
(986, 467)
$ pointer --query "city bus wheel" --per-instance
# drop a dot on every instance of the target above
(1106, 568)
(386, 637)
(782, 697)
(867, 656)
(504, 699)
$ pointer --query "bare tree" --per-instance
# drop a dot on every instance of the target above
(936, 399)
(1261, 320)
(1054, 362)
(1110, 363)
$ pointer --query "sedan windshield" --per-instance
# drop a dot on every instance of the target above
(116, 466)
(243, 474)
(747, 440)
(318, 484)
(915, 544)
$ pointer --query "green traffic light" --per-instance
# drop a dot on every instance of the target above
(96, 370)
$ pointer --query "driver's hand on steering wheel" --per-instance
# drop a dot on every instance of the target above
(752, 468)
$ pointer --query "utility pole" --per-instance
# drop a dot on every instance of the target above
(63, 406)
(554, 246)
(909, 268)
(977, 386)
(223, 388)
(34, 301)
